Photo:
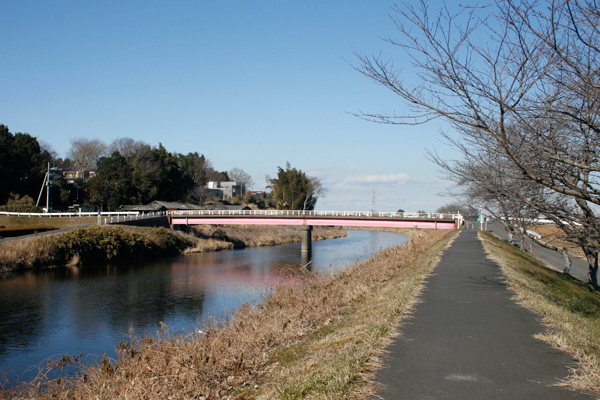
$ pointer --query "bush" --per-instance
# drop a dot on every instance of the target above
(92, 245)
(16, 203)
(169, 241)
(97, 244)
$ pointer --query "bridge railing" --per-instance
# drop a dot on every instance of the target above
(115, 219)
(305, 213)
(70, 214)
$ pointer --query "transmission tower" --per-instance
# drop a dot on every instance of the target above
(373, 202)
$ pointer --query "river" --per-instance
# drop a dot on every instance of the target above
(50, 313)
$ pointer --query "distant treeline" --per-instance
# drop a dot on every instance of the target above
(128, 172)
(125, 172)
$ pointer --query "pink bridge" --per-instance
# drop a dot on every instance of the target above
(316, 218)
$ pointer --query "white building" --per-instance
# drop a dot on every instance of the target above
(229, 190)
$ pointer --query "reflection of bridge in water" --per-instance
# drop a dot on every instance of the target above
(308, 219)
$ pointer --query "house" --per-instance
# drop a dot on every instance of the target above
(259, 194)
(158, 205)
(229, 189)
(219, 205)
(71, 175)
(83, 208)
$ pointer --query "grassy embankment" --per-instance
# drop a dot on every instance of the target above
(570, 309)
(320, 339)
(55, 222)
(91, 245)
(98, 244)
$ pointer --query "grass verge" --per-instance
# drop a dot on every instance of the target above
(319, 339)
(56, 222)
(570, 308)
(337, 360)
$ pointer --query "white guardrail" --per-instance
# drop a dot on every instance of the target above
(302, 213)
(105, 217)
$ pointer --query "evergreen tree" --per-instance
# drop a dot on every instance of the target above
(112, 185)
(291, 190)
(22, 164)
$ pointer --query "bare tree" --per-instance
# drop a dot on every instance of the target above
(315, 191)
(488, 178)
(489, 181)
(496, 76)
(198, 195)
(464, 208)
(85, 153)
(240, 177)
(519, 76)
(127, 147)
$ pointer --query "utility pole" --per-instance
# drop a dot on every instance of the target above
(46, 183)
(48, 189)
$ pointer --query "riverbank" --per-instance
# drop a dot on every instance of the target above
(100, 244)
(317, 338)
(227, 237)
(90, 246)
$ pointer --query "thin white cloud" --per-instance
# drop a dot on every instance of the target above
(381, 178)
(357, 188)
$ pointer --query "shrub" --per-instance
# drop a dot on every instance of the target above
(96, 244)
(16, 203)
(170, 241)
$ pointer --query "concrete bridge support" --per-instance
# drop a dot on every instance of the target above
(306, 248)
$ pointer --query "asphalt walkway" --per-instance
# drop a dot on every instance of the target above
(468, 339)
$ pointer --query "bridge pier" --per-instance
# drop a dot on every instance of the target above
(306, 247)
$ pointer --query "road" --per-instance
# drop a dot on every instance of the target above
(555, 260)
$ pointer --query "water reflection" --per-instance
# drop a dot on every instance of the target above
(69, 312)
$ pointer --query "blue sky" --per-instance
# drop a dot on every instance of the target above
(250, 85)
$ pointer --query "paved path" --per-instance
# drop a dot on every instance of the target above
(469, 340)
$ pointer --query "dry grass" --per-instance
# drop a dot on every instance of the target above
(554, 236)
(28, 253)
(91, 244)
(64, 222)
(208, 245)
(258, 236)
(329, 330)
(570, 309)
(337, 360)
